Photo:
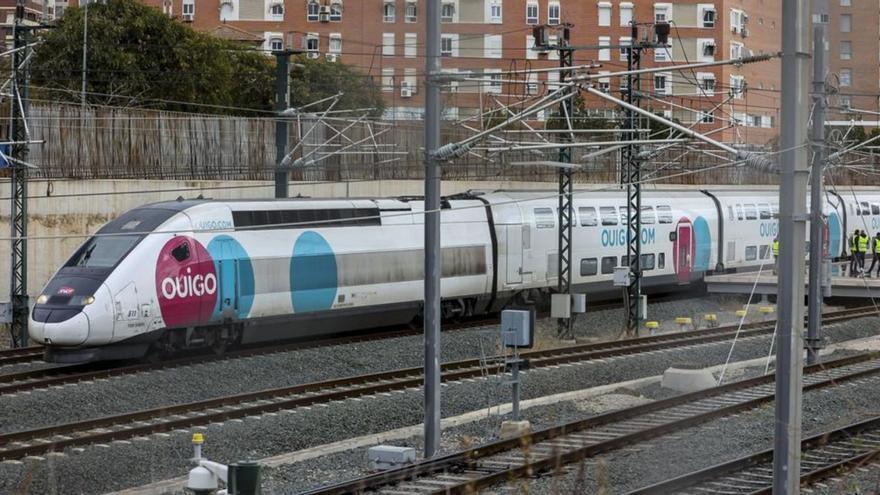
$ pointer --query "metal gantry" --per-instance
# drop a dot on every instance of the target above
(566, 185)
(632, 177)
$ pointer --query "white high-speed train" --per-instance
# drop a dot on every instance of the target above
(206, 273)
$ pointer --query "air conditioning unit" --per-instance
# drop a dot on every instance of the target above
(745, 32)
(406, 91)
(314, 55)
(188, 17)
(332, 57)
(324, 15)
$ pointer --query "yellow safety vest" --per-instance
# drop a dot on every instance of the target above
(863, 244)
(775, 248)
(876, 245)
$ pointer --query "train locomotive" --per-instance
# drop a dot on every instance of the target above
(190, 274)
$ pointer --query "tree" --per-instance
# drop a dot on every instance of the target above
(316, 79)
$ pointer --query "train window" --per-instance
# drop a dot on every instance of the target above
(751, 211)
(661, 261)
(730, 213)
(664, 214)
(647, 262)
(751, 253)
(739, 212)
(774, 208)
(608, 264)
(875, 209)
(624, 260)
(764, 211)
(104, 252)
(181, 253)
(765, 252)
(544, 218)
(624, 220)
(588, 216)
(608, 214)
(589, 267)
(866, 210)
(302, 218)
(648, 217)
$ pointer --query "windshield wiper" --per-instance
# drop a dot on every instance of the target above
(86, 256)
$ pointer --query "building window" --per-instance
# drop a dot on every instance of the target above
(662, 12)
(447, 12)
(495, 12)
(492, 46)
(532, 13)
(604, 53)
(845, 77)
(624, 42)
(845, 50)
(626, 13)
(706, 117)
(495, 82)
(313, 11)
(736, 50)
(604, 14)
(389, 11)
(707, 83)
(737, 86)
(276, 44)
(448, 45)
(336, 12)
(387, 79)
(708, 17)
(189, 10)
(845, 3)
(388, 44)
(553, 40)
(410, 45)
(663, 54)
(532, 85)
(312, 43)
(661, 84)
(335, 43)
(531, 53)
(604, 84)
(411, 12)
(845, 23)
(845, 102)
(276, 12)
(737, 21)
(554, 13)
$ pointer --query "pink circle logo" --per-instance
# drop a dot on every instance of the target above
(186, 282)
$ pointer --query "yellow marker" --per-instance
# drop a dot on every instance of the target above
(652, 325)
(766, 309)
(683, 320)
(198, 438)
(741, 313)
(710, 317)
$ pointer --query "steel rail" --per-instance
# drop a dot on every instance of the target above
(475, 473)
(20, 355)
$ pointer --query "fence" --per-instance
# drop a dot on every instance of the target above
(113, 143)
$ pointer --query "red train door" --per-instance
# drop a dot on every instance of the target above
(683, 251)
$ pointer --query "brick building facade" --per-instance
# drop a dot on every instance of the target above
(385, 39)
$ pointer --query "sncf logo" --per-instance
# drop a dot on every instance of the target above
(184, 286)
(186, 282)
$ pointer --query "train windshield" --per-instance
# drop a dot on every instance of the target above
(104, 251)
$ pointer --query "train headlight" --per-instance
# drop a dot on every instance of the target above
(43, 299)
(82, 300)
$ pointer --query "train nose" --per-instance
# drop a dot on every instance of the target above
(73, 331)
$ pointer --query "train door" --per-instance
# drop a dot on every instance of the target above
(683, 248)
(227, 271)
(514, 254)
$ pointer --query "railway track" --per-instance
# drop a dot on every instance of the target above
(471, 470)
(20, 355)
(823, 456)
(62, 375)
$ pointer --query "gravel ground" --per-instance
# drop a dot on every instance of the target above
(863, 480)
(122, 465)
(155, 389)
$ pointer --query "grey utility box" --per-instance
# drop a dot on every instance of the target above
(578, 303)
(385, 457)
(621, 276)
(517, 327)
(560, 305)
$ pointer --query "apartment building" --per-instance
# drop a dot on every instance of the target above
(483, 38)
(35, 11)
(854, 60)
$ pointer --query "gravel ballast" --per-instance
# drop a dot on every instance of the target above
(123, 465)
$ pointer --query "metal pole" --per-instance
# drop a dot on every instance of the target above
(515, 379)
(632, 177)
(18, 207)
(282, 103)
(432, 230)
(817, 244)
(792, 228)
(85, 53)
(566, 183)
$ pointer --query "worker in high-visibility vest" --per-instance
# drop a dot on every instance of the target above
(854, 253)
(864, 241)
(875, 249)
(775, 246)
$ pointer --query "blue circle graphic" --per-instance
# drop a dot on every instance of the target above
(313, 283)
(703, 249)
(835, 233)
(235, 278)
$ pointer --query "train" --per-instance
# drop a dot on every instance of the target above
(211, 274)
